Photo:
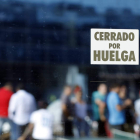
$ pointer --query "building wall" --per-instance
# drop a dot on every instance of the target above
(100, 5)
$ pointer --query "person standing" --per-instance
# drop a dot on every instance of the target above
(5, 95)
(98, 105)
(128, 110)
(116, 107)
(80, 113)
(41, 124)
(67, 111)
(22, 104)
(137, 110)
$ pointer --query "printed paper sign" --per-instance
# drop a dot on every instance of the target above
(114, 46)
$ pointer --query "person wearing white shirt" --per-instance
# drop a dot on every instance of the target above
(41, 124)
(21, 105)
(137, 110)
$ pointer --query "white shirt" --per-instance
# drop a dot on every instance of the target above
(21, 105)
(137, 110)
(43, 124)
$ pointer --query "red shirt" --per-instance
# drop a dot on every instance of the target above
(5, 96)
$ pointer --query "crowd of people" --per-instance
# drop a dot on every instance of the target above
(20, 111)
(110, 108)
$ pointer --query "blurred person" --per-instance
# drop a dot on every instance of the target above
(137, 110)
(98, 103)
(116, 107)
(67, 111)
(137, 116)
(5, 95)
(129, 111)
(80, 113)
(22, 104)
(40, 124)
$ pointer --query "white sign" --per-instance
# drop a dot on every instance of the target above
(114, 46)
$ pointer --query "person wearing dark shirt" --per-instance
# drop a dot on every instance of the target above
(67, 111)
(128, 110)
(5, 95)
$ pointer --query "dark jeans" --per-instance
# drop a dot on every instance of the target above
(82, 126)
(101, 128)
(68, 128)
(17, 130)
(118, 127)
(2, 121)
